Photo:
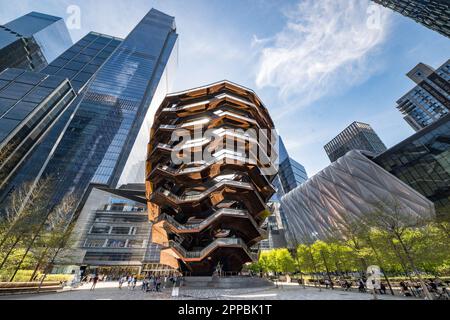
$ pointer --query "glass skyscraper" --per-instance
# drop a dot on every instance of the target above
(291, 174)
(423, 162)
(32, 41)
(79, 64)
(101, 136)
(357, 136)
(433, 14)
(30, 103)
(429, 100)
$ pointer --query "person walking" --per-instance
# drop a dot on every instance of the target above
(130, 282)
(121, 281)
(382, 288)
(134, 282)
(145, 284)
(361, 286)
(94, 282)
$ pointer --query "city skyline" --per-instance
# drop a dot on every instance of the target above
(377, 71)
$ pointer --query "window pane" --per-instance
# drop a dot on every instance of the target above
(5, 104)
(16, 90)
(38, 95)
(31, 78)
(10, 74)
(20, 111)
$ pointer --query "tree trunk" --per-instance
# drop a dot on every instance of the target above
(327, 269)
(405, 270)
(9, 252)
(315, 269)
(413, 266)
(38, 264)
(379, 262)
(38, 231)
(52, 261)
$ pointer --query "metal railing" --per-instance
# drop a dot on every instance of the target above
(225, 242)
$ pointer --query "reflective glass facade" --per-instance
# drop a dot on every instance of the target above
(423, 162)
(102, 132)
(357, 136)
(291, 174)
(430, 99)
(432, 14)
(32, 41)
(30, 103)
(79, 63)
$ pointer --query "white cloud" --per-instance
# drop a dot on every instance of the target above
(322, 49)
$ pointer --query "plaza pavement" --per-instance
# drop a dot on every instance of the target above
(110, 291)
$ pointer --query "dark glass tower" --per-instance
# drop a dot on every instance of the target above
(79, 63)
(429, 100)
(291, 174)
(423, 162)
(101, 135)
(433, 14)
(30, 103)
(357, 136)
(32, 41)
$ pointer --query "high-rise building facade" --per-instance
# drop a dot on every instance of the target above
(82, 60)
(113, 234)
(79, 64)
(357, 136)
(101, 135)
(30, 103)
(208, 212)
(291, 174)
(350, 188)
(32, 41)
(423, 162)
(433, 14)
(429, 100)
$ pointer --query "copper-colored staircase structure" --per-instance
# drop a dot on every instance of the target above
(208, 212)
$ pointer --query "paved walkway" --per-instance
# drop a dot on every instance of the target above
(110, 291)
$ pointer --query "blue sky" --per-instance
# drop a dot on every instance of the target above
(317, 64)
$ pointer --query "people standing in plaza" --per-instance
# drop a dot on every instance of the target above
(361, 286)
(130, 282)
(158, 284)
(121, 281)
(134, 282)
(94, 282)
(145, 284)
(382, 288)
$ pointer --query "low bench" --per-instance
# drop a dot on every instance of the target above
(7, 288)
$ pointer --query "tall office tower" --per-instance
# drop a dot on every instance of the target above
(430, 99)
(357, 136)
(291, 174)
(350, 188)
(32, 41)
(30, 103)
(208, 211)
(423, 162)
(433, 14)
(79, 64)
(102, 134)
